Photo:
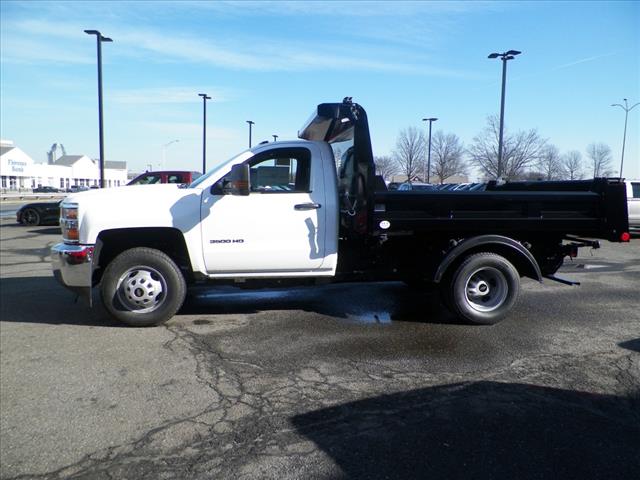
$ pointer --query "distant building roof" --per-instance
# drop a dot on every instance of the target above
(6, 149)
(68, 160)
(115, 165)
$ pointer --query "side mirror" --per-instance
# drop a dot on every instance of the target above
(237, 182)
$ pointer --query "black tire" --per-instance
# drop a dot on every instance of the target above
(142, 287)
(31, 217)
(483, 289)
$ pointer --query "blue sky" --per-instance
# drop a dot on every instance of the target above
(272, 62)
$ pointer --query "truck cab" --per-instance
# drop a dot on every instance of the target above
(278, 217)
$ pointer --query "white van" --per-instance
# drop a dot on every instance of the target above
(633, 205)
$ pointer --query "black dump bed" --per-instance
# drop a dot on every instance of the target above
(591, 208)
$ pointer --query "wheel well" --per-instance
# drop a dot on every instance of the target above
(111, 243)
(522, 264)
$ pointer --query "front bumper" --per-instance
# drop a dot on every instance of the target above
(72, 267)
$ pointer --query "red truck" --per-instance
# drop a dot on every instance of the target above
(164, 176)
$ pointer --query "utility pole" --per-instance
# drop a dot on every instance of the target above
(164, 152)
(428, 174)
(250, 125)
(626, 109)
(510, 55)
(204, 131)
(99, 39)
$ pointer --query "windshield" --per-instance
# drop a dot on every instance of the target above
(202, 179)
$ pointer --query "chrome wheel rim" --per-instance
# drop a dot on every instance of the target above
(141, 289)
(486, 289)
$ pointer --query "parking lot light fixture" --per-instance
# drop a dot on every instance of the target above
(506, 56)
(204, 131)
(99, 39)
(164, 150)
(428, 173)
(251, 123)
(626, 109)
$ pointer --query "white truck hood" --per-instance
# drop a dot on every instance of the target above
(135, 206)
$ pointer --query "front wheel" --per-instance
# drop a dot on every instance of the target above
(143, 287)
(483, 289)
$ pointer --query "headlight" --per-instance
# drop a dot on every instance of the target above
(69, 223)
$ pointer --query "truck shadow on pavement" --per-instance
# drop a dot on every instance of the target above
(480, 430)
(633, 345)
(382, 302)
(42, 300)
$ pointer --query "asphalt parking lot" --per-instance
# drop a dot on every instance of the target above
(339, 381)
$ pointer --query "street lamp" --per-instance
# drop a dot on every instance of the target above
(99, 39)
(626, 109)
(204, 131)
(275, 138)
(510, 55)
(428, 174)
(164, 148)
(250, 125)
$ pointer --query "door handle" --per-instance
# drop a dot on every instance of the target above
(307, 206)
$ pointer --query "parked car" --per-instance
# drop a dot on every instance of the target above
(39, 213)
(633, 205)
(77, 188)
(162, 176)
(46, 189)
(415, 186)
(48, 213)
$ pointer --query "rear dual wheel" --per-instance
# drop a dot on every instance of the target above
(483, 289)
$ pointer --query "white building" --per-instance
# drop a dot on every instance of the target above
(18, 171)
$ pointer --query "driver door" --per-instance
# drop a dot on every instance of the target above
(278, 227)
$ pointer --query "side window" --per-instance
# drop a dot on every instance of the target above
(147, 180)
(174, 179)
(636, 189)
(281, 171)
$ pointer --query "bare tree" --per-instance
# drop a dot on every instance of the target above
(520, 150)
(549, 163)
(572, 165)
(410, 152)
(447, 156)
(385, 166)
(600, 156)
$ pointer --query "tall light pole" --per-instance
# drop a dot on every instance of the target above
(428, 174)
(164, 148)
(99, 39)
(275, 138)
(250, 125)
(626, 109)
(506, 56)
(204, 131)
